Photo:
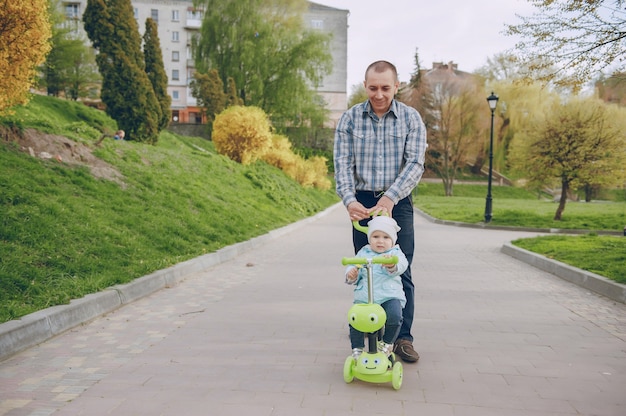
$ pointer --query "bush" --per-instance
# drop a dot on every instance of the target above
(311, 172)
(281, 156)
(242, 133)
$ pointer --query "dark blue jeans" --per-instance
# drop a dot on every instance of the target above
(403, 214)
(393, 310)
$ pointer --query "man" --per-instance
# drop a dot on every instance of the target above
(379, 159)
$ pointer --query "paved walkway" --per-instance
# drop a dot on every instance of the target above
(266, 335)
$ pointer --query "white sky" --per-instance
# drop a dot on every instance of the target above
(467, 32)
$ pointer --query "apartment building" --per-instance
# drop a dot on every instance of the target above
(178, 21)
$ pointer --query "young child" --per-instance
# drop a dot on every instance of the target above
(382, 234)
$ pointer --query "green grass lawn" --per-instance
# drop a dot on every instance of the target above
(604, 255)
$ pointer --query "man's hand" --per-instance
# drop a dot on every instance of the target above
(357, 211)
(383, 206)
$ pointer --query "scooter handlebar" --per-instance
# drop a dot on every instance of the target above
(376, 260)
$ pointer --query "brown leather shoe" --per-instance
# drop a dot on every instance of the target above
(404, 349)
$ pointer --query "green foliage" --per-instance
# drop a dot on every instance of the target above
(208, 89)
(156, 70)
(264, 47)
(126, 90)
(357, 95)
(70, 66)
(242, 133)
(578, 143)
(64, 233)
(603, 255)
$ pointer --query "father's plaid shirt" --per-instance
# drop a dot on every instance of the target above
(372, 154)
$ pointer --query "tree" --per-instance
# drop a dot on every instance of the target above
(156, 70)
(208, 89)
(450, 108)
(453, 138)
(419, 95)
(274, 61)
(126, 90)
(357, 95)
(70, 66)
(502, 67)
(82, 73)
(231, 94)
(578, 143)
(568, 41)
(25, 32)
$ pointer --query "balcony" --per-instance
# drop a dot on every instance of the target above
(193, 23)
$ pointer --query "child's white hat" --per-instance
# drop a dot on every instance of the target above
(385, 224)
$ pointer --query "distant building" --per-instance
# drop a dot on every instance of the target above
(178, 21)
(447, 74)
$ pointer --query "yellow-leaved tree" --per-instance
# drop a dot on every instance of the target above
(25, 32)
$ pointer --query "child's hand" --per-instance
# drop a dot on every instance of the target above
(390, 267)
(351, 275)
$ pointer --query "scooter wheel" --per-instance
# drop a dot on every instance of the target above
(348, 374)
(396, 375)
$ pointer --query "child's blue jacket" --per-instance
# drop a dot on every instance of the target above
(386, 285)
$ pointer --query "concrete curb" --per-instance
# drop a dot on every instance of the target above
(588, 280)
(583, 278)
(37, 327)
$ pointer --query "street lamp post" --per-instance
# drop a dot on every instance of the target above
(493, 101)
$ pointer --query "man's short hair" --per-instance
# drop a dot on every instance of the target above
(382, 66)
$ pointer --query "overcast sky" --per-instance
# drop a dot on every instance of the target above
(467, 32)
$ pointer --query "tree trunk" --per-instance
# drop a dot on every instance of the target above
(448, 186)
(562, 201)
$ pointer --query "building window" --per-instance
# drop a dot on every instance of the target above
(175, 75)
(317, 24)
(175, 36)
(175, 15)
(72, 10)
(136, 13)
(175, 95)
(175, 56)
(154, 14)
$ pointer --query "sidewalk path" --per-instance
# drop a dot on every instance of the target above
(266, 335)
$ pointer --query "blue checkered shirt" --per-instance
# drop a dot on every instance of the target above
(379, 154)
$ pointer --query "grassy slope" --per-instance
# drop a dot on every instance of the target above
(64, 234)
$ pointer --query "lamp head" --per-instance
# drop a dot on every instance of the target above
(493, 101)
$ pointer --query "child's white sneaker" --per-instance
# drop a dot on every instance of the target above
(356, 353)
(385, 348)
